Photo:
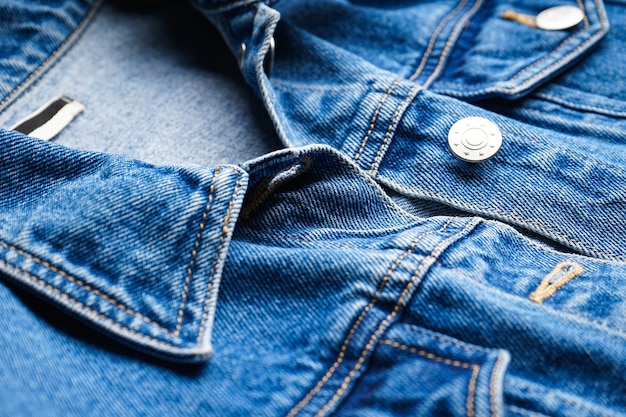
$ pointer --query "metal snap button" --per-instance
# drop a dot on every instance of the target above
(559, 18)
(474, 139)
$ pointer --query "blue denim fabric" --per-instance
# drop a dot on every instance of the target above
(362, 271)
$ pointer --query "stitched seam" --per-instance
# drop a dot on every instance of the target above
(471, 394)
(556, 63)
(225, 231)
(506, 213)
(450, 41)
(412, 78)
(413, 329)
(194, 254)
(356, 324)
(370, 344)
(493, 401)
(374, 118)
(554, 51)
(547, 69)
(61, 48)
(433, 39)
(86, 287)
(551, 393)
(74, 301)
(581, 5)
(394, 120)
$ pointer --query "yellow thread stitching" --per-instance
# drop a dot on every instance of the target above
(83, 285)
(86, 19)
(563, 273)
(194, 253)
(433, 39)
(561, 45)
(471, 389)
(446, 49)
(225, 231)
(74, 301)
(356, 324)
(370, 344)
(391, 125)
(374, 118)
(471, 394)
(509, 214)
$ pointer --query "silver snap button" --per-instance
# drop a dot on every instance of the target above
(474, 139)
(559, 18)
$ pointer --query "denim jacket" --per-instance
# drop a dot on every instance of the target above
(365, 269)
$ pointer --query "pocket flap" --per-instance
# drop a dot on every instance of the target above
(497, 56)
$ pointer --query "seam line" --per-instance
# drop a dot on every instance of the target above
(194, 253)
(80, 283)
(361, 361)
(225, 231)
(388, 134)
(71, 300)
(433, 39)
(344, 347)
(471, 389)
(451, 39)
(509, 214)
(374, 119)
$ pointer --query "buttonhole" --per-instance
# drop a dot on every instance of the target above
(269, 184)
(524, 19)
(556, 279)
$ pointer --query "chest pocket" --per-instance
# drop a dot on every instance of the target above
(500, 53)
(422, 373)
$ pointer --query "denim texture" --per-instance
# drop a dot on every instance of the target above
(362, 271)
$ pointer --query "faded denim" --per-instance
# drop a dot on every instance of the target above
(361, 271)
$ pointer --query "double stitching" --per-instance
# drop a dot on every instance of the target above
(471, 394)
(394, 121)
(370, 345)
(225, 231)
(509, 214)
(344, 346)
(116, 303)
(374, 118)
(80, 283)
(72, 300)
(561, 45)
(451, 38)
(417, 72)
(194, 253)
(374, 167)
(433, 39)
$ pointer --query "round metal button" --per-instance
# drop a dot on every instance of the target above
(559, 18)
(474, 139)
